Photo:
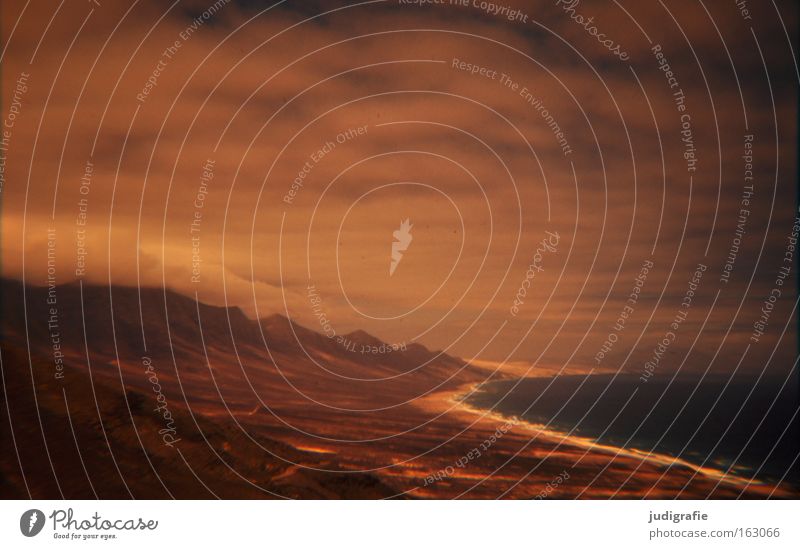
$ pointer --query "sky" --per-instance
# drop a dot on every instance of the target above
(262, 156)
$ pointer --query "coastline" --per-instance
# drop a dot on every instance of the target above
(456, 402)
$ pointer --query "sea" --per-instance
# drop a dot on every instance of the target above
(741, 425)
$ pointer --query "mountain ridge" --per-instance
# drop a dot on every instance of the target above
(180, 309)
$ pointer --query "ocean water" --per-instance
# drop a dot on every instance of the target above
(746, 426)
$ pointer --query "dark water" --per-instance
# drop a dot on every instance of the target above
(680, 419)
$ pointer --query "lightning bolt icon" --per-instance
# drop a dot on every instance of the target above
(402, 239)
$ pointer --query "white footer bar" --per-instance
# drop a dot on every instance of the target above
(400, 524)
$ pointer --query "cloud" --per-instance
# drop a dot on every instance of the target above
(260, 95)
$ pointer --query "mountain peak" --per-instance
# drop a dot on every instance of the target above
(360, 336)
(275, 318)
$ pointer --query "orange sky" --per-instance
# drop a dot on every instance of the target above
(467, 158)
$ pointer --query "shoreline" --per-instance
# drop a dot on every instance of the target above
(456, 402)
